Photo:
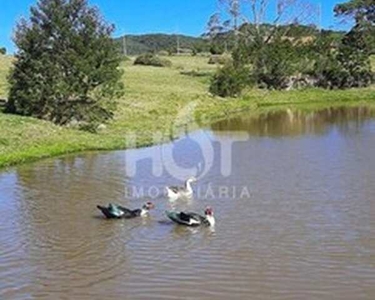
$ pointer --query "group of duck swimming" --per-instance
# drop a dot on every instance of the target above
(114, 211)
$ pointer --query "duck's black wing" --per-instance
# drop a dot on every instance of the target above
(129, 214)
(110, 214)
(118, 212)
(183, 218)
(197, 219)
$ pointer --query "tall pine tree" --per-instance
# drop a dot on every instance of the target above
(67, 65)
(362, 35)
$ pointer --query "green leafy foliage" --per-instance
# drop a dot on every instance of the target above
(3, 50)
(346, 67)
(229, 81)
(360, 10)
(67, 66)
(346, 63)
(274, 63)
(283, 56)
(149, 59)
(363, 12)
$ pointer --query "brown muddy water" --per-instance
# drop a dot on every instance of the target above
(294, 205)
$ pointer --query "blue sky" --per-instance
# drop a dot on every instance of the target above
(145, 16)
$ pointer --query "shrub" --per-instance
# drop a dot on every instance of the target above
(274, 64)
(335, 76)
(216, 49)
(163, 53)
(152, 60)
(346, 68)
(341, 63)
(65, 70)
(229, 81)
(219, 59)
(3, 50)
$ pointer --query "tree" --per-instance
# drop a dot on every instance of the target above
(220, 32)
(214, 26)
(269, 48)
(363, 12)
(363, 32)
(67, 65)
(3, 50)
(233, 9)
(214, 33)
(343, 61)
(360, 10)
(229, 80)
(341, 67)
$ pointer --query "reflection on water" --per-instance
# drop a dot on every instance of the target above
(294, 122)
(307, 229)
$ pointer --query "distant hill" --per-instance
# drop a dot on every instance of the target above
(137, 44)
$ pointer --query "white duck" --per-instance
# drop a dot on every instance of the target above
(177, 192)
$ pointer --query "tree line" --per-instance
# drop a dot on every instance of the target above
(286, 54)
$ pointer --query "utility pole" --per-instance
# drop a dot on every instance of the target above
(178, 44)
(177, 30)
(124, 48)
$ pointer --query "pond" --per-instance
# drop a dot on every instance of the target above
(294, 199)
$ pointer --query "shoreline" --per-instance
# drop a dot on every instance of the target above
(157, 100)
(39, 152)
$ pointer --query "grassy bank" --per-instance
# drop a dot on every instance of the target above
(154, 97)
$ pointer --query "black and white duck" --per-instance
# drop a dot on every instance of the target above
(114, 211)
(177, 192)
(193, 219)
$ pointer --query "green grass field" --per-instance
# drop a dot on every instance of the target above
(5, 64)
(153, 99)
